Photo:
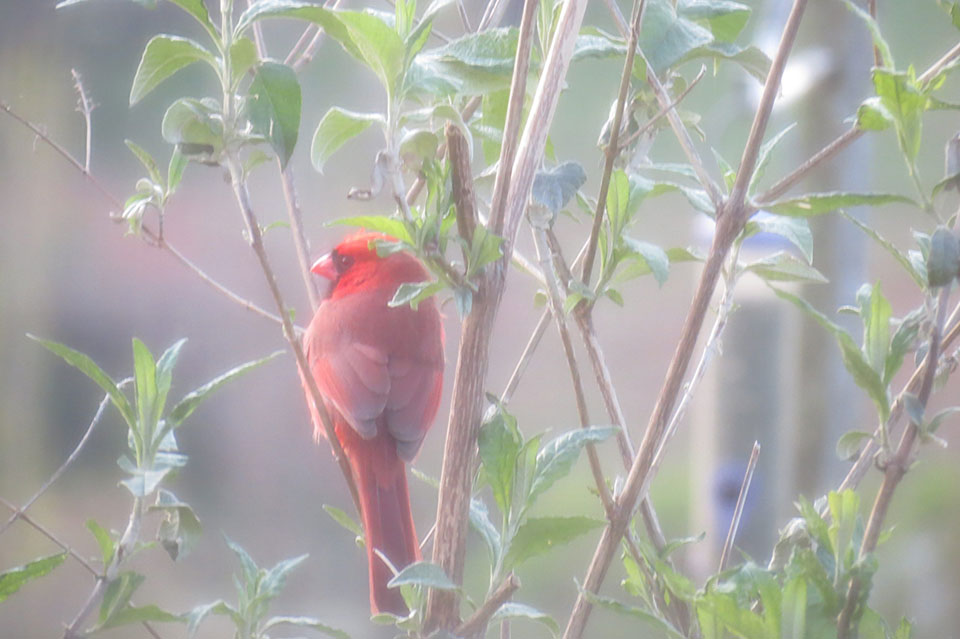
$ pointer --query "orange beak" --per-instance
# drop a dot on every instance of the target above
(325, 267)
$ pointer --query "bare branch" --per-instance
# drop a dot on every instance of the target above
(613, 149)
(477, 623)
(70, 458)
(85, 107)
(738, 509)
(115, 201)
(256, 243)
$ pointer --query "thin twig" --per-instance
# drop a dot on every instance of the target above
(85, 107)
(872, 8)
(294, 212)
(895, 468)
(477, 623)
(43, 530)
(115, 201)
(728, 228)
(556, 306)
(310, 52)
(613, 149)
(70, 458)
(663, 111)
(738, 509)
(256, 244)
(514, 118)
(525, 356)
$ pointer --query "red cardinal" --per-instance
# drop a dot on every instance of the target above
(380, 370)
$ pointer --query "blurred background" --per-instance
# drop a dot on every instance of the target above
(68, 273)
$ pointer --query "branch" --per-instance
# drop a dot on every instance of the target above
(85, 107)
(115, 201)
(290, 193)
(469, 381)
(895, 468)
(738, 509)
(19, 512)
(613, 149)
(556, 305)
(256, 244)
(730, 223)
(477, 623)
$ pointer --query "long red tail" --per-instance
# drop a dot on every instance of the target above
(387, 520)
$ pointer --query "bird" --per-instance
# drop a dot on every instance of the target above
(379, 369)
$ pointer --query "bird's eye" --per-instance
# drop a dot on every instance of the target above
(343, 262)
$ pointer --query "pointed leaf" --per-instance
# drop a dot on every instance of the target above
(12, 580)
(305, 622)
(425, 574)
(141, 614)
(557, 457)
(104, 540)
(336, 128)
(538, 535)
(389, 225)
(343, 519)
(189, 403)
(499, 444)
(480, 520)
(117, 595)
(273, 105)
(146, 160)
(516, 610)
(89, 368)
(849, 445)
(163, 56)
(820, 203)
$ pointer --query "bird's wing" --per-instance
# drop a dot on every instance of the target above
(354, 378)
(412, 402)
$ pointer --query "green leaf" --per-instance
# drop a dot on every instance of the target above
(849, 445)
(195, 125)
(475, 64)
(876, 325)
(163, 56)
(872, 115)
(180, 528)
(516, 610)
(144, 481)
(189, 403)
(117, 595)
(243, 57)
(104, 540)
(905, 103)
(726, 19)
(198, 10)
(413, 293)
(885, 56)
(391, 226)
(890, 247)
(903, 339)
(425, 574)
(337, 127)
(328, 20)
(219, 607)
(820, 203)
(795, 230)
(667, 37)
(499, 443)
(381, 47)
(554, 187)
(249, 570)
(178, 162)
(905, 628)
(608, 603)
(276, 578)
(538, 535)
(763, 157)
(750, 58)
(134, 614)
(480, 520)
(943, 260)
(853, 359)
(12, 580)
(934, 423)
(273, 105)
(557, 457)
(784, 267)
(646, 258)
(89, 368)
(343, 519)
(844, 509)
(146, 160)
(305, 622)
(145, 380)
